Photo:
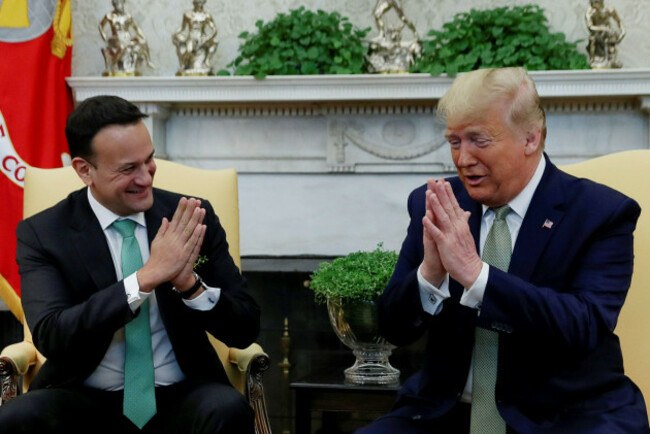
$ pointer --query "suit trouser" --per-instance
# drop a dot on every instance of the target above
(185, 407)
(456, 421)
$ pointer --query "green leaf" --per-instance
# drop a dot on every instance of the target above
(312, 53)
(309, 68)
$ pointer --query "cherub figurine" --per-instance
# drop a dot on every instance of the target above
(126, 47)
(605, 32)
(195, 41)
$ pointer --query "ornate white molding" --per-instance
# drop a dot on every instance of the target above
(346, 88)
(289, 110)
(359, 123)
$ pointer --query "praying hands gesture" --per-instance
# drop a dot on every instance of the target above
(175, 248)
(448, 243)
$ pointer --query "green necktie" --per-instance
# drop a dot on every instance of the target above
(139, 380)
(485, 417)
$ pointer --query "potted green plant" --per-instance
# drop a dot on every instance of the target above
(302, 42)
(350, 286)
(500, 37)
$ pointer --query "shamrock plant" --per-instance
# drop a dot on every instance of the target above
(500, 37)
(357, 276)
(302, 42)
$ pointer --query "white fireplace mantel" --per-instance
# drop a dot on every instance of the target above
(326, 162)
(315, 88)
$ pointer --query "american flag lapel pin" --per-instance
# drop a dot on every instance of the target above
(547, 224)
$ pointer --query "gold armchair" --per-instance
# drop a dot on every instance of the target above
(629, 172)
(45, 187)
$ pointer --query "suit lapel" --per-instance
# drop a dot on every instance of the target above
(88, 238)
(546, 209)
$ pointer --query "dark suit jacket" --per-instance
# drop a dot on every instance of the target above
(560, 364)
(74, 303)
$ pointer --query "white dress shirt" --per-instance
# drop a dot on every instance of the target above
(109, 374)
(432, 297)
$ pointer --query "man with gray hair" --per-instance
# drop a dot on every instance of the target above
(518, 272)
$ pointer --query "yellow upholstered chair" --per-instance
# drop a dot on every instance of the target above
(629, 173)
(46, 187)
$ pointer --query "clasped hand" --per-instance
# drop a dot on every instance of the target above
(448, 243)
(175, 248)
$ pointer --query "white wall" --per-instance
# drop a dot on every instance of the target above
(160, 18)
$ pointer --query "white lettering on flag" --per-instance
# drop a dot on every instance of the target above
(10, 162)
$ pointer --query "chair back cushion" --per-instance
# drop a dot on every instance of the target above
(629, 173)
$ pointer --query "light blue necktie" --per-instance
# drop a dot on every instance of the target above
(139, 379)
(485, 418)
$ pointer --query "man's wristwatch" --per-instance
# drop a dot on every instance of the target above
(190, 292)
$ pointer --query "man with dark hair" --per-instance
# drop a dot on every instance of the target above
(113, 302)
(517, 272)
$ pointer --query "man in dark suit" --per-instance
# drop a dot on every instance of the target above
(86, 281)
(517, 271)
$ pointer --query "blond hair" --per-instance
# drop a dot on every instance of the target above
(473, 94)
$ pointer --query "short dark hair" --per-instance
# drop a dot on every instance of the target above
(93, 114)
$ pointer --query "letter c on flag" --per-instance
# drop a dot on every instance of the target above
(11, 164)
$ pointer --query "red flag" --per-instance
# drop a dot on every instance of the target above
(34, 104)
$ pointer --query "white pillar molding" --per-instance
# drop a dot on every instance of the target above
(156, 123)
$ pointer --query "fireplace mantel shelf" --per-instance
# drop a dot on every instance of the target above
(405, 88)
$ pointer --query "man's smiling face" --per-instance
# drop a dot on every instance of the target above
(120, 175)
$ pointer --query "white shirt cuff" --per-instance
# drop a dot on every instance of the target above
(206, 300)
(431, 296)
(134, 296)
(473, 297)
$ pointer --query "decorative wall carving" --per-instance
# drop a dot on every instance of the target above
(386, 144)
(159, 19)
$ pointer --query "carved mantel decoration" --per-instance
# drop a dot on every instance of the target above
(366, 123)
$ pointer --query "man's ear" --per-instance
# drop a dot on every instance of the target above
(82, 167)
(533, 141)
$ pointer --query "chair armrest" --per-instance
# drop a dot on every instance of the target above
(254, 361)
(22, 355)
(252, 357)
